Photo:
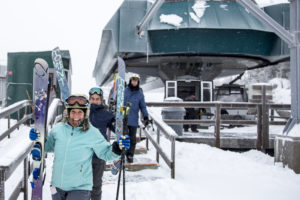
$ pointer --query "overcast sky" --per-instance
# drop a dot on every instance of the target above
(75, 25)
(41, 25)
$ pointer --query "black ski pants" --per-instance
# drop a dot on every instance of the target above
(98, 169)
(132, 135)
(190, 114)
(59, 194)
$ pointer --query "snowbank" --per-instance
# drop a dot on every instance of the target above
(281, 90)
(295, 132)
(204, 172)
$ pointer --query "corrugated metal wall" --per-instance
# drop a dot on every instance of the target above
(2, 83)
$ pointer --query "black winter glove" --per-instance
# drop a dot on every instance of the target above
(116, 149)
(146, 121)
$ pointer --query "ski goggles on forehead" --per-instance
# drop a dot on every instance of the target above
(72, 100)
(134, 78)
(95, 91)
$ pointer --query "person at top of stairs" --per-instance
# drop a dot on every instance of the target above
(134, 96)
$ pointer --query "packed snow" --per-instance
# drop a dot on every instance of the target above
(201, 170)
(281, 90)
(295, 132)
(171, 19)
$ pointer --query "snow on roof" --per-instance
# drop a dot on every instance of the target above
(194, 17)
(171, 19)
(224, 6)
(199, 8)
(264, 3)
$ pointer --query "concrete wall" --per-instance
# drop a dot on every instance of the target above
(287, 151)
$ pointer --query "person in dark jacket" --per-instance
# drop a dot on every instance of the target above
(101, 119)
(191, 113)
(134, 96)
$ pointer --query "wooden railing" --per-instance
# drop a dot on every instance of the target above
(262, 120)
(170, 135)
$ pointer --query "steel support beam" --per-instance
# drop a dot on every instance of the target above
(142, 25)
(292, 38)
(295, 65)
(285, 35)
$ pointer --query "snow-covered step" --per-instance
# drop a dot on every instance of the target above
(139, 163)
(140, 150)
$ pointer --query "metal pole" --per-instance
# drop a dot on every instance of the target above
(285, 35)
(295, 64)
(18, 117)
(8, 124)
(148, 16)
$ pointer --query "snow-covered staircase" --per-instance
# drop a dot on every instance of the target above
(141, 160)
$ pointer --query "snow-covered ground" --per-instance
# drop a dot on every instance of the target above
(202, 172)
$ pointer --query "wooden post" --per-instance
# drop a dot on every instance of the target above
(2, 184)
(259, 127)
(272, 115)
(173, 157)
(25, 183)
(217, 125)
(157, 140)
(265, 120)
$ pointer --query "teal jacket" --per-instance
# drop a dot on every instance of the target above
(73, 152)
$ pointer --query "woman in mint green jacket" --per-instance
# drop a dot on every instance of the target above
(74, 143)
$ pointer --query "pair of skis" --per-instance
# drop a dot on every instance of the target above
(117, 104)
(41, 98)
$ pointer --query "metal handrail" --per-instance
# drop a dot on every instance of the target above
(14, 108)
(7, 169)
(54, 116)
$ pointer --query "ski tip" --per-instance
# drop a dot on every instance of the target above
(42, 62)
(56, 48)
